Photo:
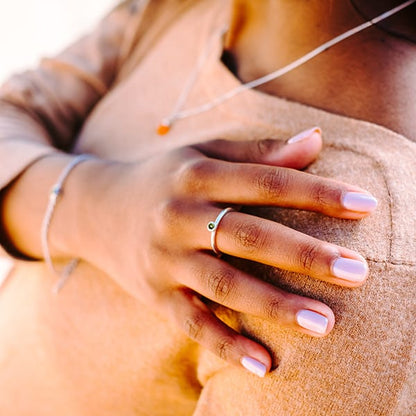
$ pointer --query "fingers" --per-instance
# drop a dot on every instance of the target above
(297, 152)
(201, 325)
(224, 284)
(253, 184)
(263, 241)
(271, 243)
(250, 179)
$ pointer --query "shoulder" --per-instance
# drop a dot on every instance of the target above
(368, 356)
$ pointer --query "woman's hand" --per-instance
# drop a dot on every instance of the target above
(149, 222)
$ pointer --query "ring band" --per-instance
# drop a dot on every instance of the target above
(212, 227)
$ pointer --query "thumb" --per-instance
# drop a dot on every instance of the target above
(297, 152)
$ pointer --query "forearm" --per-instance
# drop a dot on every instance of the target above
(42, 110)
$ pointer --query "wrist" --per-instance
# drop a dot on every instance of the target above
(81, 227)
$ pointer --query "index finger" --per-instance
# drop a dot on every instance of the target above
(253, 184)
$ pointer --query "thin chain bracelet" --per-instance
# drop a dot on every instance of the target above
(54, 194)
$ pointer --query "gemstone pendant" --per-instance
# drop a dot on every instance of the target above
(163, 129)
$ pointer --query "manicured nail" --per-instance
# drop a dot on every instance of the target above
(356, 201)
(312, 320)
(304, 135)
(254, 366)
(349, 269)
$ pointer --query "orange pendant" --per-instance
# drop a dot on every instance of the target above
(163, 129)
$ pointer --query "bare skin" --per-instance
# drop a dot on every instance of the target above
(365, 77)
(164, 271)
(171, 274)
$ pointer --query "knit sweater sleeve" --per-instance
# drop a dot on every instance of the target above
(42, 110)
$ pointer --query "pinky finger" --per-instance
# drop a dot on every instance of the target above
(201, 325)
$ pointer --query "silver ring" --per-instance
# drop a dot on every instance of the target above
(212, 227)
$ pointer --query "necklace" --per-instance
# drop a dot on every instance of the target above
(178, 111)
(404, 30)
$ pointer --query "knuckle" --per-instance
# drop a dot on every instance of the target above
(324, 196)
(223, 348)
(221, 283)
(273, 183)
(169, 217)
(273, 308)
(263, 147)
(250, 236)
(308, 256)
(193, 174)
(194, 326)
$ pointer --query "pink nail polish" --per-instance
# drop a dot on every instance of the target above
(349, 269)
(254, 366)
(304, 135)
(312, 320)
(356, 201)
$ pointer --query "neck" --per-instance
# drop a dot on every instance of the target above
(368, 76)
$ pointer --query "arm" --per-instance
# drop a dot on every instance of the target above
(42, 110)
(148, 226)
(135, 210)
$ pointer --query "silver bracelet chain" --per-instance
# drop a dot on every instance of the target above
(54, 195)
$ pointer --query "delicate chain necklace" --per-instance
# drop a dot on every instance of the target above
(178, 112)
(406, 29)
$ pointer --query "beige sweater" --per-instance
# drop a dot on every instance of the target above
(94, 350)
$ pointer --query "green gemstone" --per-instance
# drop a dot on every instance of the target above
(211, 226)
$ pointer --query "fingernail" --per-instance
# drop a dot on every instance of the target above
(312, 320)
(304, 135)
(254, 366)
(356, 201)
(349, 269)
